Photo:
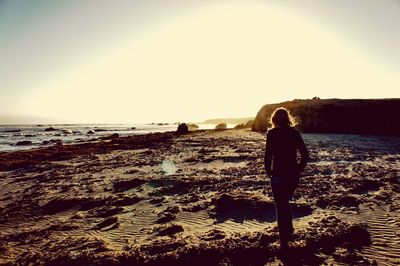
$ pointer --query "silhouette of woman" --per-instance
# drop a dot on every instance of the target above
(283, 142)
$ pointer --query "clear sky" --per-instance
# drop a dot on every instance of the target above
(156, 60)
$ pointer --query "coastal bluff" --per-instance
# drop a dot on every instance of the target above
(347, 116)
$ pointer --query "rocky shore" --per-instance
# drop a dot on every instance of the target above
(200, 198)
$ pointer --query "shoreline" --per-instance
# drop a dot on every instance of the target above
(28, 137)
(162, 198)
(23, 137)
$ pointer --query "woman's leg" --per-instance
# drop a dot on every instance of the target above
(294, 183)
(283, 212)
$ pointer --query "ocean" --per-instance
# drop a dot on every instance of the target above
(21, 137)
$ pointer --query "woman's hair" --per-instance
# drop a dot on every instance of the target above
(282, 118)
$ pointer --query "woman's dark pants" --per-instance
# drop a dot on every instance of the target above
(282, 191)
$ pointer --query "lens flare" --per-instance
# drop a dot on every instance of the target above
(168, 167)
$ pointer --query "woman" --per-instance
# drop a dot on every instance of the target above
(283, 142)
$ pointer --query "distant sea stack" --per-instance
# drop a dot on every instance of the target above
(348, 116)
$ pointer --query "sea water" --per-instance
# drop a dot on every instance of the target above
(11, 136)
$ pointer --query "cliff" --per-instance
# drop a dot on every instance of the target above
(351, 116)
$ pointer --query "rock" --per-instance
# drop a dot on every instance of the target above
(24, 143)
(93, 202)
(124, 185)
(365, 185)
(322, 202)
(166, 218)
(50, 129)
(60, 204)
(338, 200)
(348, 200)
(157, 200)
(126, 201)
(350, 257)
(12, 131)
(240, 206)
(221, 126)
(106, 222)
(182, 129)
(52, 141)
(67, 131)
(133, 127)
(170, 229)
(193, 127)
(100, 130)
(248, 124)
(90, 132)
(173, 209)
(214, 234)
(112, 136)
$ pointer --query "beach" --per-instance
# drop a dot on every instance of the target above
(200, 198)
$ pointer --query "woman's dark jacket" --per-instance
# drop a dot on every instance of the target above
(281, 150)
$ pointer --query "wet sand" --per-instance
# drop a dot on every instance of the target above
(197, 199)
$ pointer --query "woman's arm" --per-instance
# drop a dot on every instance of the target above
(268, 154)
(303, 152)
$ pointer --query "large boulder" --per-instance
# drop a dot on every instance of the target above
(221, 126)
(50, 129)
(182, 129)
(349, 116)
(23, 143)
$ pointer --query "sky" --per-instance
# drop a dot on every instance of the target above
(83, 61)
